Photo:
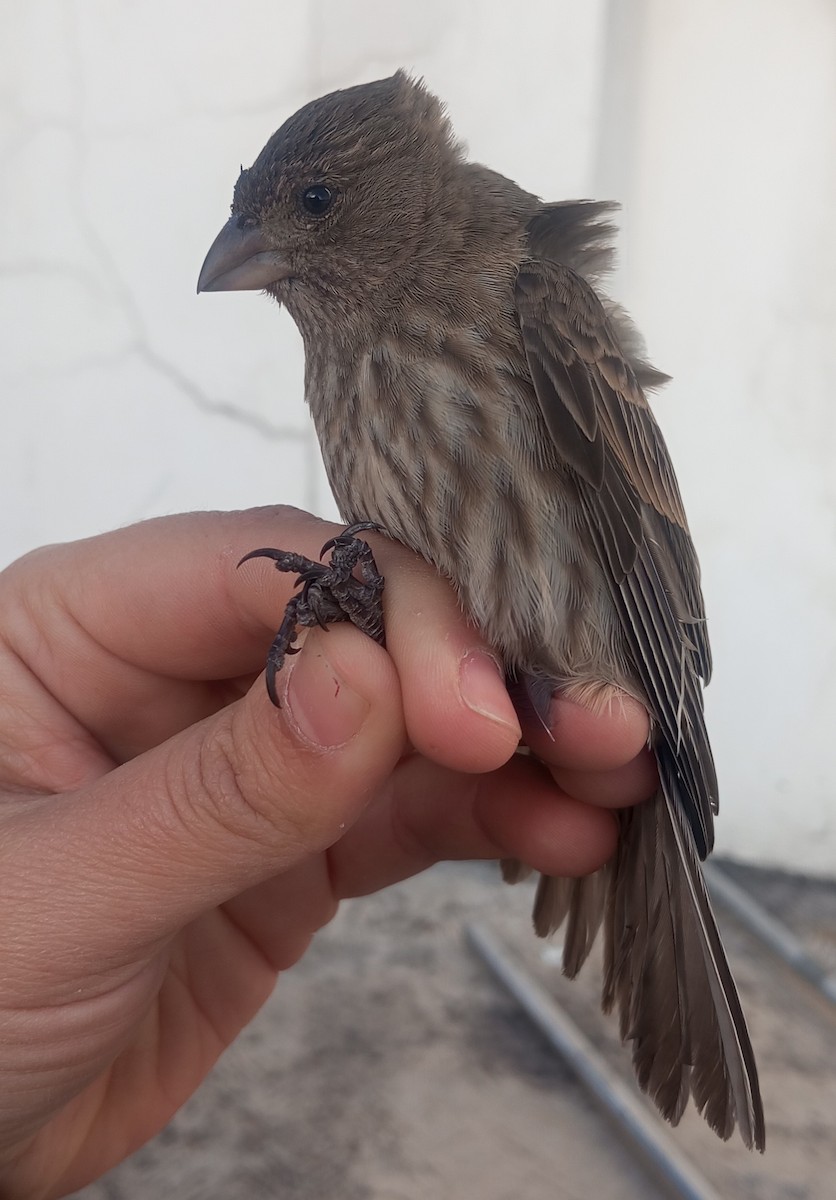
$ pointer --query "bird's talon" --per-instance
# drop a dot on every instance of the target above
(326, 594)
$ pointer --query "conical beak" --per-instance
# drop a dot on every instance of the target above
(240, 259)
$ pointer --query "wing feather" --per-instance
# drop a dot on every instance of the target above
(665, 967)
(602, 427)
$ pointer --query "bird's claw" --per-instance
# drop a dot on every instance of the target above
(349, 534)
(329, 593)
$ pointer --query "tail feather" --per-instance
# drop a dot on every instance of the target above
(583, 901)
(665, 970)
(725, 1085)
(514, 871)
(644, 976)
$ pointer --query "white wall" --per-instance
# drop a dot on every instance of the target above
(730, 263)
(122, 126)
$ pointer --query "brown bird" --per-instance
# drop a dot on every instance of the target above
(480, 400)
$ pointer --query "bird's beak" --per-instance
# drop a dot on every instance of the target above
(241, 259)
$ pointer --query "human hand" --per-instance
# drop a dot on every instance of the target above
(169, 841)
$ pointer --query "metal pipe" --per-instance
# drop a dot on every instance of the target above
(644, 1134)
(769, 930)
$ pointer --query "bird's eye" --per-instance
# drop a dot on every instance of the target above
(317, 199)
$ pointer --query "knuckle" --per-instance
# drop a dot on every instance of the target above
(235, 784)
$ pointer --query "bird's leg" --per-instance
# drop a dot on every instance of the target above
(329, 592)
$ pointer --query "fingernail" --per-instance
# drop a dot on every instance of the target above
(324, 710)
(482, 688)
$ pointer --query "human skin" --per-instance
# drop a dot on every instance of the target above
(170, 842)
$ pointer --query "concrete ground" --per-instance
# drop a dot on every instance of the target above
(389, 1065)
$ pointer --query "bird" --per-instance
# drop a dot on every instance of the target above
(479, 398)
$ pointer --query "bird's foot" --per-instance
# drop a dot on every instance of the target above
(328, 593)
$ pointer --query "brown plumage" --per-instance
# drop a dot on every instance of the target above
(477, 396)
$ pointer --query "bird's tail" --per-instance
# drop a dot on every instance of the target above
(665, 970)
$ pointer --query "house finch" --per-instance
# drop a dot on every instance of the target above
(478, 399)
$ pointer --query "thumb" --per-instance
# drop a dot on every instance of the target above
(246, 794)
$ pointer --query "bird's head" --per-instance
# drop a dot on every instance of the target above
(347, 194)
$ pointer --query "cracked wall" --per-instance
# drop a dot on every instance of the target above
(123, 127)
(124, 395)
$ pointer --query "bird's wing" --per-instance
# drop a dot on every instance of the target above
(665, 967)
(603, 429)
